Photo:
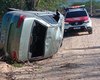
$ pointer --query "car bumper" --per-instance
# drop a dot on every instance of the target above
(78, 28)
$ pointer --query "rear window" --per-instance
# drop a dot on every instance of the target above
(76, 14)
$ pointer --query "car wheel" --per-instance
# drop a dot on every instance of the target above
(90, 30)
(61, 43)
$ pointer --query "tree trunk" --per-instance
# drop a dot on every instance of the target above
(36, 4)
(31, 4)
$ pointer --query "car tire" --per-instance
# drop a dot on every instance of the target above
(2, 53)
(61, 44)
(90, 30)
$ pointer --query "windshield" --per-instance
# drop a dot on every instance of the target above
(76, 14)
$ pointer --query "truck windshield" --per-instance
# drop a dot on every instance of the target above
(76, 14)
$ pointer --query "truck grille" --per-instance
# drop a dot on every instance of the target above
(77, 23)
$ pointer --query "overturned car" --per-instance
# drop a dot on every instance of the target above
(31, 35)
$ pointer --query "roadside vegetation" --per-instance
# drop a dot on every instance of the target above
(41, 5)
(30, 4)
(95, 6)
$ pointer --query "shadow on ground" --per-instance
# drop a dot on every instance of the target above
(72, 34)
(86, 48)
(98, 16)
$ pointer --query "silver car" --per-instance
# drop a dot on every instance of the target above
(31, 35)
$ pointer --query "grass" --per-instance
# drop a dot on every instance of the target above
(16, 64)
(12, 62)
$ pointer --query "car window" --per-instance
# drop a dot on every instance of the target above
(49, 18)
(76, 14)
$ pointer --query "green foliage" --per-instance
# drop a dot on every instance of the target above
(5, 4)
(38, 4)
(10, 61)
(18, 65)
(77, 3)
(96, 5)
(50, 4)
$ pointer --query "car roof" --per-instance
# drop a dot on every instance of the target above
(40, 13)
(32, 13)
(47, 16)
(21, 13)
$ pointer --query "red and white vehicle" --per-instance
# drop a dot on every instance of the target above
(77, 19)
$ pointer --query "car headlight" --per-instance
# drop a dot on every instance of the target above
(66, 22)
(86, 21)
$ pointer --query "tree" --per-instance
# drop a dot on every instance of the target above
(5, 4)
(50, 4)
(30, 4)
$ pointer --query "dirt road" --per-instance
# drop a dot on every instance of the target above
(78, 59)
